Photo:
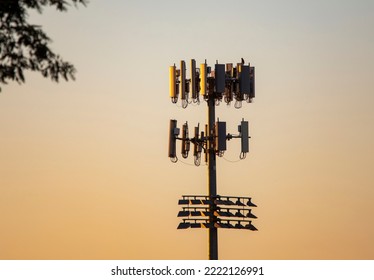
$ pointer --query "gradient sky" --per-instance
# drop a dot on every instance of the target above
(84, 172)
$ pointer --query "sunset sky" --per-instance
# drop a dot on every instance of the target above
(84, 172)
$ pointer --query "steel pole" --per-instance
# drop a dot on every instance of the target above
(212, 179)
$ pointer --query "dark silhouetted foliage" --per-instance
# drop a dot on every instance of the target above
(24, 46)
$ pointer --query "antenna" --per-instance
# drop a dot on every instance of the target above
(203, 79)
(244, 80)
(194, 82)
(229, 87)
(244, 135)
(220, 138)
(251, 84)
(182, 84)
(197, 146)
(173, 133)
(220, 78)
(173, 84)
(185, 141)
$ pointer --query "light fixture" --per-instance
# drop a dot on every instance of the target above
(184, 225)
(250, 227)
(250, 204)
(183, 213)
(250, 215)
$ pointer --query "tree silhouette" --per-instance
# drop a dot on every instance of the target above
(24, 46)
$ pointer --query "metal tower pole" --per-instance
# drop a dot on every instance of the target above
(224, 83)
(212, 179)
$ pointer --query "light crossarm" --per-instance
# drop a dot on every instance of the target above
(202, 211)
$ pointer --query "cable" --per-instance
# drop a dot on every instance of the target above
(186, 163)
(231, 161)
(195, 102)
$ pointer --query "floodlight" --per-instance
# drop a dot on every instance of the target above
(239, 226)
(195, 201)
(218, 201)
(229, 202)
(250, 204)
(223, 213)
(250, 227)
(183, 213)
(250, 215)
(229, 225)
(226, 213)
(223, 202)
(239, 214)
(207, 225)
(195, 225)
(206, 213)
(184, 225)
(225, 225)
(239, 203)
(195, 213)
(183, 201)
(206, 202)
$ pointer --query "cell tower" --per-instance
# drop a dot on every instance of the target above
(230, 84)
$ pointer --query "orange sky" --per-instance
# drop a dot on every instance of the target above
(84, 172)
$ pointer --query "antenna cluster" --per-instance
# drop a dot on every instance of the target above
(200, 140)
(225, 82)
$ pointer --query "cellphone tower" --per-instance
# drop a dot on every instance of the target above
(226, 83)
